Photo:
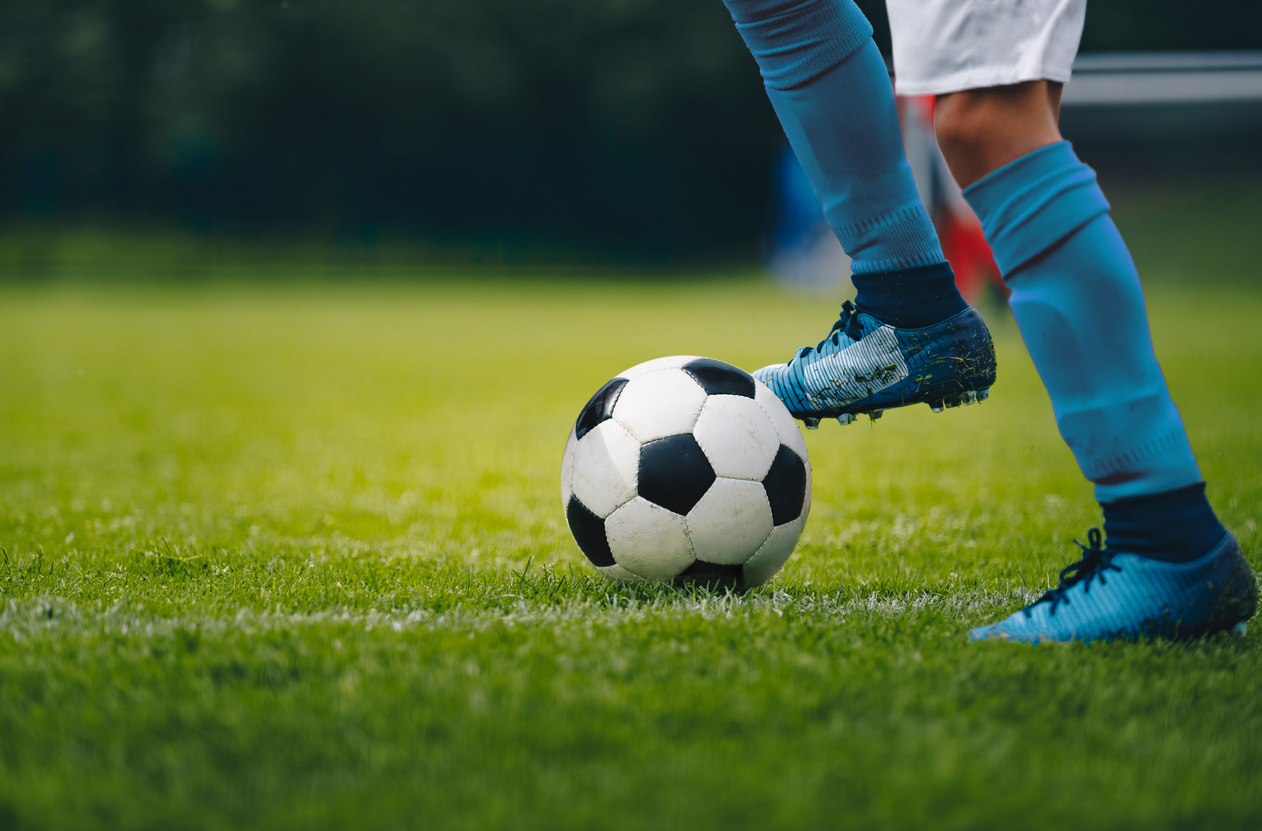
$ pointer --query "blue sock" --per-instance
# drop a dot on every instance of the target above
(1077, 300)
(829, 86)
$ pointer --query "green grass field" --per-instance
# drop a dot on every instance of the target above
(294, 556)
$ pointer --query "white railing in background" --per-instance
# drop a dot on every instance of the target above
(1110, 79)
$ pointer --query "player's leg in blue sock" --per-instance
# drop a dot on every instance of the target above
(1170, 567)
(909, 337)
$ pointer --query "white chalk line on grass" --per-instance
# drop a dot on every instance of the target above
(55, 616)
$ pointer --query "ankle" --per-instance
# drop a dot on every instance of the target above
(910, 298)
(1176, 526)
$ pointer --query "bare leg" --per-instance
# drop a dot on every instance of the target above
(981, 130)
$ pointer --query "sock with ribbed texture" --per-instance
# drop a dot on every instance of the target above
(1077, 300)
(831, 91)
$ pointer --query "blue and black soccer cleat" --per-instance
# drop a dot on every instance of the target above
(1108, 595)
(866, 366)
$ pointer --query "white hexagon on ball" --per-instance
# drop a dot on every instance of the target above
(567, 467)
(617, 572)
(737, 436)
(648, 540)
(730, 522)
(660, 404)
(773, 553)
(783, 421)
(605, 469)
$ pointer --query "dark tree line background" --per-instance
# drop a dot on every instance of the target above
(634, 126)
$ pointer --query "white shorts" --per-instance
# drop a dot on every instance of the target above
(951, 45)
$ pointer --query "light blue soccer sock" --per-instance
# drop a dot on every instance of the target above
(1077, 300)
(831, 90)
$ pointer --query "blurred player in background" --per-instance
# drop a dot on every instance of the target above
(996, 70)
(803, 252)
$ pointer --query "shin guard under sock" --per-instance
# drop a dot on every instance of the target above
(1077, 300)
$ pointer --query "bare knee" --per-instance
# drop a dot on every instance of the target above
(981, 130)
(962, 121)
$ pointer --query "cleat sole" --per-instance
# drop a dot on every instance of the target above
(946, 402)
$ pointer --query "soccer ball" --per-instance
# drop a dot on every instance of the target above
(687, 468)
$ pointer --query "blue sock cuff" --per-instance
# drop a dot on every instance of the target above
(899, 240)
(795, 42)
(1031, 204)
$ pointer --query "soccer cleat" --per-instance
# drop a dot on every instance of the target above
(866, 366)
(1108, 595)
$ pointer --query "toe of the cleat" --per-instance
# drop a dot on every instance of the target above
(981, 633)
(1009, 629)
(767, 372)
(991, 631)
(996, 632)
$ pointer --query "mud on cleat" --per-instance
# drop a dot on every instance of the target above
(1108, 595)
(866, 366)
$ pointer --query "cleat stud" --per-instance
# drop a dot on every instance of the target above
(846, 418)
(982, 395)
(810, 423)
(1239, 630)
(936, 409)
(969, 397)
(875, 414)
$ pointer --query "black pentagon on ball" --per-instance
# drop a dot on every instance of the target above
(600, 407)
(674, 473)
(712, 576)
(785, 484)
(718, 378)
(589, 532)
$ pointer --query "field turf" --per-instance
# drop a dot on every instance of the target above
(293, 556)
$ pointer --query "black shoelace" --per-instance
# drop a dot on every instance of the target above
(847, 324)
(1094, 563)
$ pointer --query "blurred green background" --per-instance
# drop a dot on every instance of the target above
(613, 129)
